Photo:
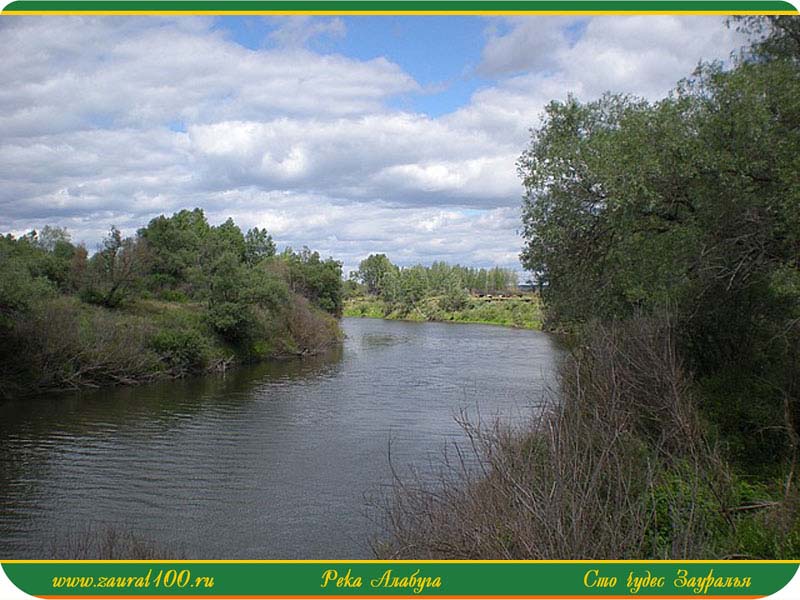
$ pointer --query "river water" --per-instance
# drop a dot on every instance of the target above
(273, 461)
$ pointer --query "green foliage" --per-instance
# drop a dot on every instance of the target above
(682, 500)
(414, 286)
(440, 292)
(524, 313)
(221, 294)
(234, 291)
(258, 245)
(372, 272)
(318, 280)
(384, 279)
(115, 271)
(454, 295)
(20, 286)
(175, 245)
(690, 203)
(182, 349)
(773, 37)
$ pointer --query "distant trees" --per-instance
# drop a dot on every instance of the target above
(404, 288)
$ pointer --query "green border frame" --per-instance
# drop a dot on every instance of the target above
(401, 579)
(301, 578)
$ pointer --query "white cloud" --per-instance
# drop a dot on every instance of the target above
(296, 32)
(530, 44)
(115, 120)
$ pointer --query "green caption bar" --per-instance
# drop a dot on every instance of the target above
(404, 6)
(306, 579)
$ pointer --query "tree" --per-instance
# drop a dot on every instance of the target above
(236, 292)
(454, 296)
(258, 245)
(414, 286)
(692, 202)
(317, 280)
(50, 237)
(773, 37)
(372, 272)
(226, 237)
(176, 246)
(115, 270)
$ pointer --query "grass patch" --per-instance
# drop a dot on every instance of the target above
(523, 313)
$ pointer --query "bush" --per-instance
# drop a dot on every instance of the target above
(311, 330)
(619, 468)
(182, 350)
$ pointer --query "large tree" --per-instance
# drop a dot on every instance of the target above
(373, 270)
(690, 205)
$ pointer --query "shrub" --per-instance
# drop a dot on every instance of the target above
(109, 543)
(311, 329)
(182, 350)
(618, 468)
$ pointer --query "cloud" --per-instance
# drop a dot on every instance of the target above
(116, 120)
(297, 32)
(67, 74)
(525, 45)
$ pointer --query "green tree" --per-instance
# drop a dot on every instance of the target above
(454, 294)
(414, 286)
(176, 246)
(115, 271)
(373, 270)
(318, 280)
(692, 202)
(258, 245)
(236, 292)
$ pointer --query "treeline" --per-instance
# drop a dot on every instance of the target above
(406, 287)
(440, 292)
(180, 296)
(688, 207)
(666, 237)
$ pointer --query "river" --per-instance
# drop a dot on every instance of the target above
(272, 461)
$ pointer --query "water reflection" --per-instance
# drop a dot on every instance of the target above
(270, 461)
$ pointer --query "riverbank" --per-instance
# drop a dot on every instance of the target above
(66, 344)
(180, 296)
(250, 454)
(523, 312)
(621, 464)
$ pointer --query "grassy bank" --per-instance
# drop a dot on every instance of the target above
(522, 312)
(68, 344)
(181, 296)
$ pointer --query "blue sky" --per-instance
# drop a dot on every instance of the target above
(351, 135)
(440, 53)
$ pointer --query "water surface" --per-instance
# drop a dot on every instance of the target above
(272, 461)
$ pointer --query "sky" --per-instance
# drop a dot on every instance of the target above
(349, 135)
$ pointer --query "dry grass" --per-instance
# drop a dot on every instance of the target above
(619, 468)
(310, 329)
(70, 346)
(109, 543)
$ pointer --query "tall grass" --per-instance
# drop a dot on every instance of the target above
(110, 542)
(620, 466)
